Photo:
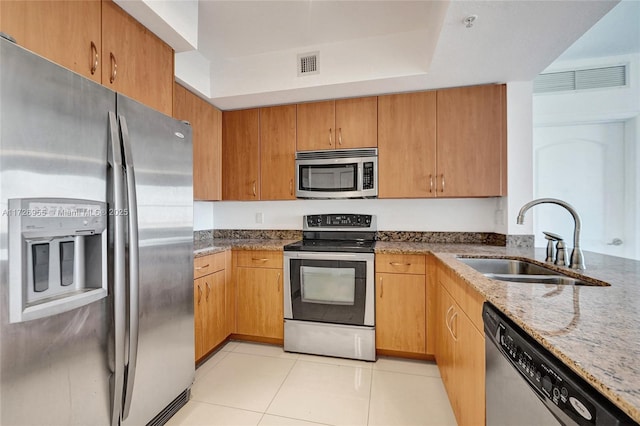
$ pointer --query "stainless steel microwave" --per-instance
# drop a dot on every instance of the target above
(347, 173)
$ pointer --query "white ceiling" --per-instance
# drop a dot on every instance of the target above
(247, 50)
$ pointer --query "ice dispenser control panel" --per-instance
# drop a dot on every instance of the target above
(57, 255)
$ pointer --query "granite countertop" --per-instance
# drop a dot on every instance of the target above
(594, 330)
(216, 245)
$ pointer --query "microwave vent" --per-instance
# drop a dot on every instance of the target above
(308, 63)
(330, 154)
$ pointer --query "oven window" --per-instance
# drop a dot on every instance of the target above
(328, 291)
(329, 177)
(333, 286)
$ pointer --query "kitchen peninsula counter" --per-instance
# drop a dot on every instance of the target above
(595, 330)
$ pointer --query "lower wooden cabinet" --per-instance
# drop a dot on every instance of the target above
(401, 301)
(460, 351)
(209, 301)
(259, 298)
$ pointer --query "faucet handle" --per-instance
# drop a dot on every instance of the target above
(561, 254)
(552, 237)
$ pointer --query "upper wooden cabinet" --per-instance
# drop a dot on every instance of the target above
(339, 124)
(407, 145)
(241, 154)
(98, 40)
(66, 32)
(471, 135)
(445, 143)
(206, 123)
(277, 152)
(135, 62)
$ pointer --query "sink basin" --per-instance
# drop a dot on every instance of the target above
(514, 270)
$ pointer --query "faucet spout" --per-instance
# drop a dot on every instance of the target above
(577, 258)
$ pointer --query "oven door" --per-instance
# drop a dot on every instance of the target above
(335, 288)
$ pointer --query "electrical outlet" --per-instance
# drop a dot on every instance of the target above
(259, 217)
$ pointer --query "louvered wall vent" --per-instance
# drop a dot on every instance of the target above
(308, 63)
(593, 78)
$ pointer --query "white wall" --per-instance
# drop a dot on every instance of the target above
(436, 215)
(455, 215)
(620, 104)
(519, 156)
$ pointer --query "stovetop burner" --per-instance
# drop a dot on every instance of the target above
(350, 233)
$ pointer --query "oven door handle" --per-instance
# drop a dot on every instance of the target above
(328, 256)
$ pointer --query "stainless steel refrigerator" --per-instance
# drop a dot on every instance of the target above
(96, 251)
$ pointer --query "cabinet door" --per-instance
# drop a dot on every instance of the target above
(206, 124)
(66, 32)
(444, 337)
(136, 63)
(400, 329)
(200, 315)
(407, 145)
(357, 123)
(214, 296)
(316, 126)
(471, 141)
(277, 152)
(260, 302)
(470, 367)
(241, 154)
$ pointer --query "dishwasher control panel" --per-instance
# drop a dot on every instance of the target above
(545, 378)
(566, 395)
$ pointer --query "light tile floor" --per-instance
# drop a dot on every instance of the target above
(256, 384)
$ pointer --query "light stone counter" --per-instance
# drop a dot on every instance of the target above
(216, 245)
(594, 330)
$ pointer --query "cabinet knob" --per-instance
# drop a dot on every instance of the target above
(330, 138)
(199, 293)
(430, 183)
(254, 188)
(202, 267)
(381, 287)
(340, 135)
(442, 177)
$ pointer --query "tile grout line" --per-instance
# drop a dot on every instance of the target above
(370, 394)
(295, 361)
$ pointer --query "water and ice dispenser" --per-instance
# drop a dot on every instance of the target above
(57, 255)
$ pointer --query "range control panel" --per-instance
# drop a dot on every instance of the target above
(339, 221)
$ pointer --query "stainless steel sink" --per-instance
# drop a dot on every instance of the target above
(514, 270)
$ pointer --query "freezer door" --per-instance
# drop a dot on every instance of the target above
(53, 144)
(161, 155)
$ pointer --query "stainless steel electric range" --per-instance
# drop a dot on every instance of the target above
(329, 287)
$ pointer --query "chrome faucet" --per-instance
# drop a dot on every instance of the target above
(577, 258)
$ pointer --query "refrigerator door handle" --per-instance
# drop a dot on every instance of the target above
(119, 272)
(134, 267)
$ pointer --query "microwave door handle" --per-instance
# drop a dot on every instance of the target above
(360, 176)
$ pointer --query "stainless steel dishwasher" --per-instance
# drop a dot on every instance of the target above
(527, 385)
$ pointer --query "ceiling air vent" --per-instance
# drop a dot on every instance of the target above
(308, 63)
(583, 79)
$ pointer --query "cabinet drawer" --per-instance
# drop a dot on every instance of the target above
(206, 265)
(259, 259)
(401, 263)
